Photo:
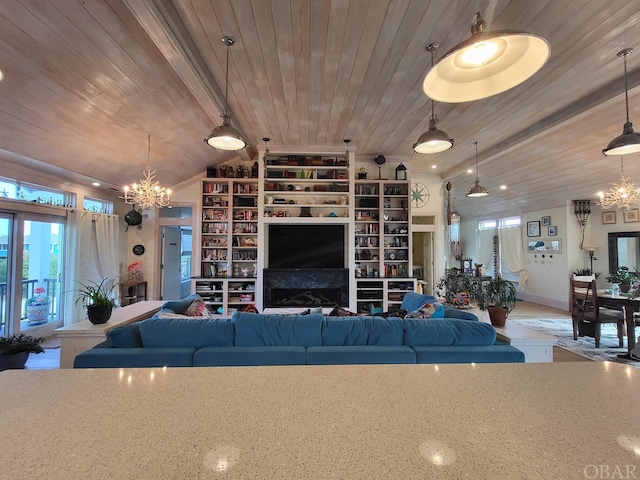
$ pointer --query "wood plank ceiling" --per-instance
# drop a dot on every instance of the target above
(85, 82)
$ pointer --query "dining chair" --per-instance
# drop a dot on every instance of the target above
(588, 315)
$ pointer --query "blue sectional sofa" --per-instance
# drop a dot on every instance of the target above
(249, 339)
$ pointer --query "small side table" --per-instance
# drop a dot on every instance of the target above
(132, 292)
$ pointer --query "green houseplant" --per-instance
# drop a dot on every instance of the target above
(623, 277)
(454, 282)
(15, 350)
(98, 298)
(498, 297)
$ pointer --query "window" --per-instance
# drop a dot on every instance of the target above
(510, 222)
(487, 224)
(97, 205)
(506, 222)
(35, 193)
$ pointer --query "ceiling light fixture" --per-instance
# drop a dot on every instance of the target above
(147, 193)
(629, 141)
(477, 190)
(225, 137)
(485, 64)
(433, 140)
(621, 195)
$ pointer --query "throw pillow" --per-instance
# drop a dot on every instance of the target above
(428, 310)
(198, 309)
(339, 311)
(251, 308)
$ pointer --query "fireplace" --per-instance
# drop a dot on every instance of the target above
(305, 287)
(305, 297)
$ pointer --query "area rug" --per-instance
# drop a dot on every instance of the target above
(584, 346)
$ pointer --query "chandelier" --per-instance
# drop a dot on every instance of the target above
(621, 195)
(147, 193)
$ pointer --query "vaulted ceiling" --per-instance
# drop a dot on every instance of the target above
(85, 83)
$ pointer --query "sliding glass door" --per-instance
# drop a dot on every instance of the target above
(31, 259)
(5, 241)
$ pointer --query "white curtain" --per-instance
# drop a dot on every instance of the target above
(512, 252)
(91, 246)
(484, 247)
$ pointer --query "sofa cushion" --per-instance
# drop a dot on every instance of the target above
(125, 336)
(248, 356)
(475, 354)
(181, 306)
(447, 332)
(135, 357)
(428, 310)
(360, 355)
(272, 330)
(186, 332)
(413, 301)
(363, 330)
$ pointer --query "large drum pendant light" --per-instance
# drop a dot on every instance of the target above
(225, 137)
(629, 141)
(433, 140)
(486, 64)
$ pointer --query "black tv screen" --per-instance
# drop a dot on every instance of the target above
(306, 246)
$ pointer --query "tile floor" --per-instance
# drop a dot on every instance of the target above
(524, 310)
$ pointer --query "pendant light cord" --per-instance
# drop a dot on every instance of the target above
(149, 150)
(477, 176)
(226, 87)
(626, 82)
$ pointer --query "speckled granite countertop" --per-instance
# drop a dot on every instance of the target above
(534, 421)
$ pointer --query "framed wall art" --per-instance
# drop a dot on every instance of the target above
(631, 216)
(608, 218)
(552, 230)
(533, 229)
(546, 221)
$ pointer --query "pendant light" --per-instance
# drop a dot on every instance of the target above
(477, 190)
(225, 137)
(433, 140)
(485, 64)
(629, 141)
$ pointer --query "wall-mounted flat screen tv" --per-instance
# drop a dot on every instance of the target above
(306, 246)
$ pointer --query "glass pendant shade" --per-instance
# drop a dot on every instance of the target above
(629, 141)
(486, 64)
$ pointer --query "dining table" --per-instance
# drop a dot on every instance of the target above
(629, 305)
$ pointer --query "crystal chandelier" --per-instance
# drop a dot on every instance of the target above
(147, 193)
(621, 195)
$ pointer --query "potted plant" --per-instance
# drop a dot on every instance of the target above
(498, 297)
(624, 278)
(97, 297)
(453, 283)
(38, 307)
(583, 273)
(15, 349)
